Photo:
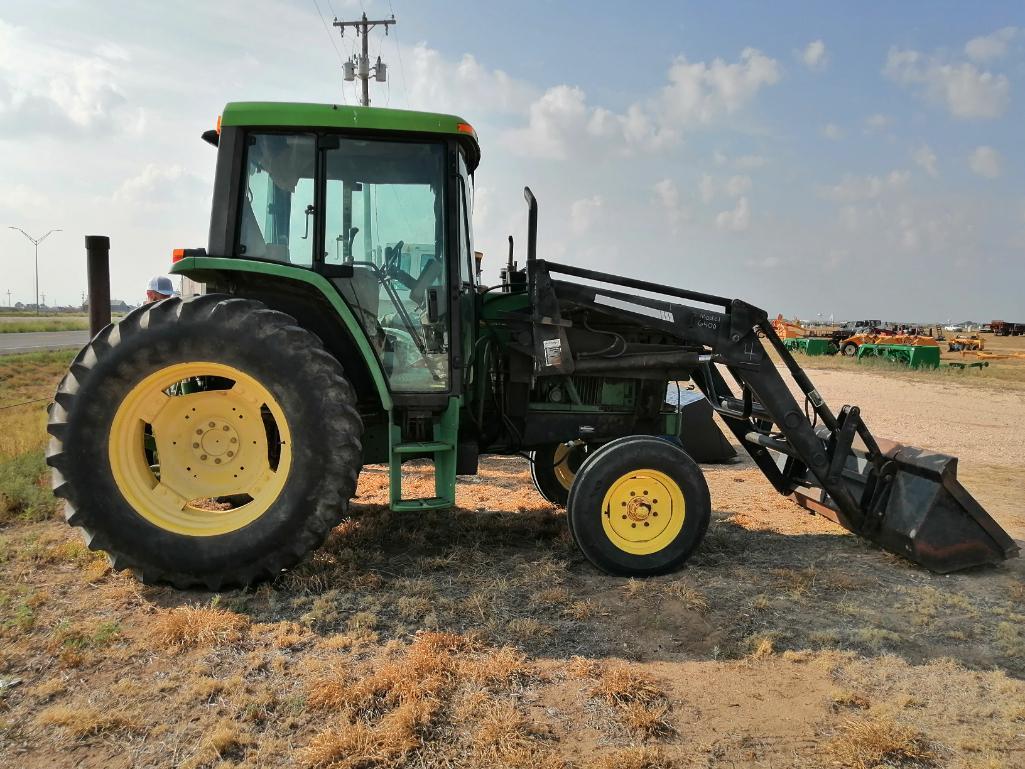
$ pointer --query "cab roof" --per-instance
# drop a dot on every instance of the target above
(300, 115)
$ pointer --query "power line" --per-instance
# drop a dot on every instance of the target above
(398, 52)
(331, 37)
(359, 67)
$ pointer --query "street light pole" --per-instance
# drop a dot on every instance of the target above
(35, 243)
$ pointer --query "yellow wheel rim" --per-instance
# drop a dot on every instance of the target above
(643, 512)
(563, 473)
(210, 444)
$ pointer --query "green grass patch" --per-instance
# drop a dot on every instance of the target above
(25, 489)
(25, 325)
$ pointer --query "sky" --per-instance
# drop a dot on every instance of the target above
(814, 159)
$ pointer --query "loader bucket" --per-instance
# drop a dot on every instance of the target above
(923, 512)
(700, 436)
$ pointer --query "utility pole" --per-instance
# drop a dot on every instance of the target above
(8, 297)
(359, 66)
(35, 242)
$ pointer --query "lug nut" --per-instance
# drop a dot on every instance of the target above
(211, 424)
(202, 456)
(225, 428)
(231, 453)
(199, 432)
(195, 445)
(645, 523)
(217, 461)
(234, 440)
(633, 525)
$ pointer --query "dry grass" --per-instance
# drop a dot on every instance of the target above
(480, 638)
(881, 741)
(690, 597)
(189, 627)
(632, 758)
(390, 706)
(86, 721)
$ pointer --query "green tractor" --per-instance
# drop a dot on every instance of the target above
(214, 441)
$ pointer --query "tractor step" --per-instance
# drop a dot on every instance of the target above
(442, 450)
(422, 447)
(421, 505)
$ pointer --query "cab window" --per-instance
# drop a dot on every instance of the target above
(277, 198)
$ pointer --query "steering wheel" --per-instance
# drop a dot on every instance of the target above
(391, 262)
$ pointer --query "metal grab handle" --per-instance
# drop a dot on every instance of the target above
(716, 401)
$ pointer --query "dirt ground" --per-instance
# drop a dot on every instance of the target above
(481, 638)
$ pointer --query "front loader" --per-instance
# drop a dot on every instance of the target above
(215, 440)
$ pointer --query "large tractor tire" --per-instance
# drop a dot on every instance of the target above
(850, 349)
(209, 442)
(553, 468)
(639, 507)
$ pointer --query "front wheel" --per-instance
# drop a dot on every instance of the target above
(639, 507)
(207, 442)
(850, 349)
(553, 468)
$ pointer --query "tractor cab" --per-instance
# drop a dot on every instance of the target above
(375, 201)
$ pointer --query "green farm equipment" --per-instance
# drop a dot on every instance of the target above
(216, 440)
(913, 356)
(811, 345)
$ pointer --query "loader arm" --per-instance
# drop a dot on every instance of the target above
(907, 500)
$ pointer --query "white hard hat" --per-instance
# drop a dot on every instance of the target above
(161, 284)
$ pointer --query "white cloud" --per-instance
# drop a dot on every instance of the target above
(876, 122)
(436, 83)
(986, 162)
(555, 118)
(858, 188)
(668, 194)
(832, 131)
(157, 185)
(964, 89)
(700, 93)
(750, 161)
(47, 89)
(990, 47)
(738, 220)
(734, 186)
(697, 94)
(23, 200)
(582, 213)
(926, 159)
(814, 55)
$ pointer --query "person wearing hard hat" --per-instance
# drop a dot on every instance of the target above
(160, 287)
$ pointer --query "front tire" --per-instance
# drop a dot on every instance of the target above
(553, 468)
(207, 442)
(639, 507)
(850, 349)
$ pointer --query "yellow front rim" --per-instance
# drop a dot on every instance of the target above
(643, 512)
(563, 473)
(228, 447)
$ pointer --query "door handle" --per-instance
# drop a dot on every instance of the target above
(309, 210)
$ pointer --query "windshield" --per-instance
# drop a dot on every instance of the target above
(384, 215)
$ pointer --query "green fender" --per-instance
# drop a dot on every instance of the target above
(194, 267)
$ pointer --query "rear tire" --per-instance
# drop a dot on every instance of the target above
(639, 507)
(303, 435)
